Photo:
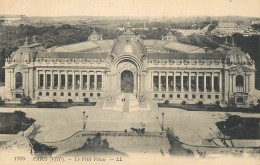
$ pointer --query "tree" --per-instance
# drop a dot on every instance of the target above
(200, 103)
(166, 102)
(2, 102)
(70, 101)
(183, 103)
(25, 100)
(86, 100)
(217, 103)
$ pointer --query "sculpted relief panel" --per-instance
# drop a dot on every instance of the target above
(126, 65)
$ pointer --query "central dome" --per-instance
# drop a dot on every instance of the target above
(128, 44)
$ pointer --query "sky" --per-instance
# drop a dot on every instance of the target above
(150, 8)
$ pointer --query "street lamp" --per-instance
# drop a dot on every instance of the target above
(84, 121)
(162, 121)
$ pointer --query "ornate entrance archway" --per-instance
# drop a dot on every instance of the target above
(127, 82)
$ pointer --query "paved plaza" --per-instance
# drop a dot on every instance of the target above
(190, 127)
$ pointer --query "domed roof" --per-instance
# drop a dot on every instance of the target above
(128, 44)
(94, 36)
(170, 37)
(236, 56)
(26, 53)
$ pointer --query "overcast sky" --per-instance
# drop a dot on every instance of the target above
(159, 8)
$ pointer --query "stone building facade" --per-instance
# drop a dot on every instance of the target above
(153, 69)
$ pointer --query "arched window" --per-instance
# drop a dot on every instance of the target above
(238, 59)
(18, 80)
(239, 80)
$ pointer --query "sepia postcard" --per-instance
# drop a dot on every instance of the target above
(129, 82)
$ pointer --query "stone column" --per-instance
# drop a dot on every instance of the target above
(44, 79)
(189, 81)
(80, 79)
(73, 79)
(248, 84)
(59, 79)
(88, 80)
(14, 79)
(159, 76)
(174, 81)
(66, 79)
(204, 76)
(52, 79)
(181, 81)
(151, 80)
(212, 82)
(197, 81)
(167, 85)
(95, 79)
(220, 82)
(37, 79)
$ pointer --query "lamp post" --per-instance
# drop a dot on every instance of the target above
(84, 121)
(162, 121)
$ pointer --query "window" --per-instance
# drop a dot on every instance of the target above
(40, 93)
(178, 83)
(47, 93)
(170, 83)
(69, 94)
(99, 82)
(91, 94)
(185, 83)
(240, 99)
(92, 82)
(208, 83)
(163, 95)
(48, 81)
(18, 80)
(201, 83)
(216, 96)
(239, 80)
(63, 81)
(54, 94)
(155, 95)
(170, 96)
(83, 94)
(77, 81)
(76, 94)
(193, 96)
(201, 96)
(69, 81)
(61, 94)
(163, 83)
(186, 96)
(41, 81)
(98, 94)
(209, 96)
(155, 83)
(216, 84)
(85, 84)
(56, 81)
(178, 96)
(193, 83)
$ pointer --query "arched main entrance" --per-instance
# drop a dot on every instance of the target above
(127, 81)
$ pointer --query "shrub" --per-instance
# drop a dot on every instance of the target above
(183, 103)
(217, 103)
(70, 101)
(86, 100)
(166, 102)
(2, 102)
(200, 103)
(232, 102)
(25, 100)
